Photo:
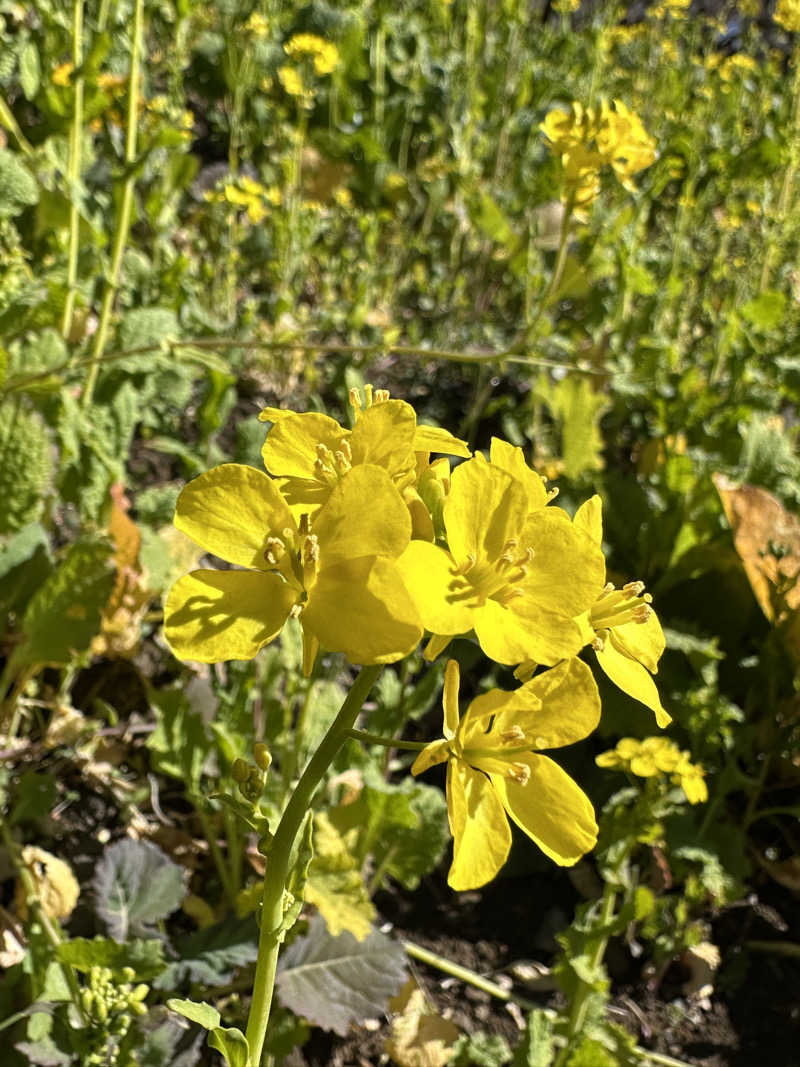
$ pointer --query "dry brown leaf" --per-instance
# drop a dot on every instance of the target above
(121, 621)
(420, 1037)
(767, 538)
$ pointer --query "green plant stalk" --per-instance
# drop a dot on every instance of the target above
(7, 119)
(295, 737)
(279, 858)
(74, 167)
(558, 267)
(126, 206)
(788, 181)
(367, 738)
(579, 1006)
(216, 852)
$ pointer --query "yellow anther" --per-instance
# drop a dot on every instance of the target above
(540, 742)
(345, 447)
(287, 534)
(519, 772)
(368, 395)
(296, 610)
(311, 549)
(343, 464)
(608, 587)
(551, 494)
(633, 589)
(275, 551)
(513, 733)
(355, 399)
(381, 396)
(598, 643)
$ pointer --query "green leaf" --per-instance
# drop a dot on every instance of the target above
(26, 465)
(35, 798)
(210, 956)
(145, 957)
(43, 1053)
(180, 742)
(135, 885)
(18, 188)
(577, 408)
(482, 1050)
(64, 614)
(203, 1014)
(334, 981)
(232, 1044)
(30, 70)
(335, 886)
(590, 1053)
(537, 1048)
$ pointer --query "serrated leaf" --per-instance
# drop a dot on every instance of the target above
(25, 465)
(210, 956)
(232, 1044)
(180, 742)
(334, 981)
(537, 1048)
(577, 408)
(481, 1050)
(64, 614)
(145, 957)
(135, 885)
(203, 1014)
(335, 886)
(18, 188)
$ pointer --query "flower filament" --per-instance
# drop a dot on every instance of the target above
(615, 607)
(494, 579)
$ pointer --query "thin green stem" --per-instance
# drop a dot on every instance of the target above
(463, 974)
(206, 344)
(367, 738)
(7, 119)
(279, 859)
(216, 852)
(74, 166)
(558, 268)
(126, 206)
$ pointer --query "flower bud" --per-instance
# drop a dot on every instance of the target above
(262, 756)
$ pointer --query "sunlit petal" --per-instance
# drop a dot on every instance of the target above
(435, 439)
(633, 679)
(364, 516)
(511, 459)
(558, 707)
(481, 834)
(484, 508)
(450, 698)
(428, 574)
(291, 444)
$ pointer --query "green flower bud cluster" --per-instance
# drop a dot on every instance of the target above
(251, 779)
(110, 1005)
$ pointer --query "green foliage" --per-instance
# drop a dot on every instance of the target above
(26, 467)
(145, 957)
(577, 409)
(18, 188)
(335, 885)
(136, 884)
(481, 1050)
(210, 956)
(536, 1048)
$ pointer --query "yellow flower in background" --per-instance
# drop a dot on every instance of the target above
(57, 888)
(309, 452)
(292, 81)
(787, 14)
(337, 575)
(622, 628)
(325, 54)
(258, 25)
(62, 74)
(495, 772)
(656, 756)
(623, 141)
(249, 194)
(515, 572)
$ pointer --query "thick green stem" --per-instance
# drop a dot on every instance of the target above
(74, 167)
(279, 858)
(126, 206)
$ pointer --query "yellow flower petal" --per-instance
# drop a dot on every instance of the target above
(435, 439)
(633, 679)
(231, 510)
(481, 834)
(484, 509)
(568, 568)
(363, 516)
(360, 607)
(291, 444)
(383, 435)
(213, 616)
(450, 699)
(557, 707)
(511, 459)
(525, 630)
(643, 641)
(589, 518)
(551, 809)
(428, 574)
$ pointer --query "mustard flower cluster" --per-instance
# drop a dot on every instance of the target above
(787, 14)
(658, 756)
(366, 535)
(588, 139)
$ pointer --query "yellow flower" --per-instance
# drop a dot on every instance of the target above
(338, 576)
(622, 628)
(309, 452)
(292, 81)
(57, 889)
(515, 572)
(623, 141)
(258, 25)
(654, 756)
(62, 74)
(495, 774)
(787, 14)
(324, 53)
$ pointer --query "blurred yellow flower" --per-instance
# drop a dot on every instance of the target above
(292, 81)
(622, 628)
(62, 74)
(654, 756)
(57, 888)
(623, 141)
(258, 25)
(337, 575)
(324, 54)
(787, 14)
(494, 771)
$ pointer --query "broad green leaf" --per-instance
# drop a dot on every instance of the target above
(25, 465)
(35, 798)
(136, 884)
(232, 1043)
(210, 956)
(30, 70)
(145, 957)
(18, 188)
(180, 742)
(334, 981)
(44, 1053)
(203, 1014)
(64, 614)
(335, 886)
